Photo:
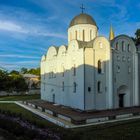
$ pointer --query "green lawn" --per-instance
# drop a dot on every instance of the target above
(127, 130)
(19, 97)
(13, 108)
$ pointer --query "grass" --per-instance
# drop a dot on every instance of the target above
(126, 130)
(27, 115)
(32, 118)
(19, 97)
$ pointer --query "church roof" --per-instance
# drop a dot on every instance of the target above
(82, 19)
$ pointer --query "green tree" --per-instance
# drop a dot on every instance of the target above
(4, 79)
(137, 38)
(14, 72)
(12, 81)
(24, 70)
(34, 71)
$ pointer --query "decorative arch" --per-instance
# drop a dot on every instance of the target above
(62, 50)
(52, 52)
(122, 89)
(123, 94)
(126, 39)
(73, 45)
(104, 41)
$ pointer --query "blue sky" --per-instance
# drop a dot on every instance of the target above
(29, 27)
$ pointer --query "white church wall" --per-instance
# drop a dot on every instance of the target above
(58, 71)
(82, 32)
(89, 79)
(42, 72)
(124, 71)
(102, 53)
(76, 57)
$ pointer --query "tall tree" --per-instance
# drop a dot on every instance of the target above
(137, 38)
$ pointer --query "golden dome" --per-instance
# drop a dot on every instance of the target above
(82, 19)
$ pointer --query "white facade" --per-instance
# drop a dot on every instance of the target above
(87, 74)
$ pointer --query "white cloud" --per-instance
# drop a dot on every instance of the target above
(18, 65)
(18, 56)
(11, 26)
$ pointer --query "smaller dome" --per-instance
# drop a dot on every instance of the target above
(82, 19)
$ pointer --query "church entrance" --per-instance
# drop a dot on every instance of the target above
(121, 100)
(123, 96)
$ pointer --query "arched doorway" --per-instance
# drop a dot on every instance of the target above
(122, 92)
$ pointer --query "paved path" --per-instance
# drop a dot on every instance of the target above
(62, 122)
(67, 124)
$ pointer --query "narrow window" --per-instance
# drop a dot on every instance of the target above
(117, 46)
(74, 87)
(63, 71)
(74, 70)
(76, 35)
(99, 87)
(123, 46)
(118, 69)
(99, 67)
(83, 35)
(128, 47)
(101, 45)
(89, 89)
(90, 34)
(62, 86)
(129, 69)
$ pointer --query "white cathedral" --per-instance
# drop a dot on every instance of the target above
(92, 72)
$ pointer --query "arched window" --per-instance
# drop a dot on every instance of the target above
(100, 45)
(123, 46)
(74, 70)
(90, 34)
(75, 34)
(74, 87)
(118, 68)
(62, 86)
(99, 66)
(117, 46)
(99, 87)
(128, 48)
(83, 35)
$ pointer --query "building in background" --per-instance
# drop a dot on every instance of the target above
(33, 82)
